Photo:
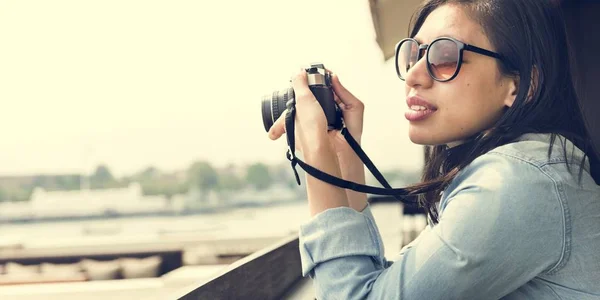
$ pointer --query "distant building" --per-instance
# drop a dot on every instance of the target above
(81, 203)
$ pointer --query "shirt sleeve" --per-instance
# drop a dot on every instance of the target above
(369, 214)
(502, 224)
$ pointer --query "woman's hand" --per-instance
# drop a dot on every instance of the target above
(310, 116)
(351, 167)
(310, 121)
(353, 113)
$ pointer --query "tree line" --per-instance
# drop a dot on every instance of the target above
(201, 174)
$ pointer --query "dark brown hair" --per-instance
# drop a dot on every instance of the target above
(526, 33)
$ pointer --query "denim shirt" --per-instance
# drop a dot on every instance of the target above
(515, 224)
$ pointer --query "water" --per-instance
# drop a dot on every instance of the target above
(236, 223)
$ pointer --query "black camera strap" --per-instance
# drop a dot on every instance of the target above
(398, 193)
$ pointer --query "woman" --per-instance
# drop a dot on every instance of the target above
(515, 211)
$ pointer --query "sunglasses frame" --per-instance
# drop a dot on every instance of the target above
(460, 45)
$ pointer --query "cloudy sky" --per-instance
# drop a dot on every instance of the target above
(133, 83)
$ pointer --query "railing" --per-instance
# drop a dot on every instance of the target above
(275, 272)
(266, 274)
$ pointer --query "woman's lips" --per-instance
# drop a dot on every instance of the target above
(418, 115)
(419, 109)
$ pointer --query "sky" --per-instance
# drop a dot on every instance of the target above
(137, 83)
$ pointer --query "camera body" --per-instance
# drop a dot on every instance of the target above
(319, 82)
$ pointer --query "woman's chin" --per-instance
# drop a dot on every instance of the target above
(420, 136)
(425, 137)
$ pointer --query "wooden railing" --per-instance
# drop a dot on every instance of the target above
(275, 272)
(266, 274)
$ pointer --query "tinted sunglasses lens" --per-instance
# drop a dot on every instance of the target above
(407, 57)
(443, 58)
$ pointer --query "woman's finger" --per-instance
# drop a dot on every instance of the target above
(338, 101)
(345, 96)
(278, 128)
(302, 92)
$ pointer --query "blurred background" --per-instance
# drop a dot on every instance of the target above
(132, 143)
(133, 159)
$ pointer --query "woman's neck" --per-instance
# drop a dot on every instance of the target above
(454, 144)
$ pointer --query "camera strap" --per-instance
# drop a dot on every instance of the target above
(398, 193)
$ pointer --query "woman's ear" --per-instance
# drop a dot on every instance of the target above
(513, 87)
(512, 90)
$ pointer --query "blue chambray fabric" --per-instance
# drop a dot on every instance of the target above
(514, 224)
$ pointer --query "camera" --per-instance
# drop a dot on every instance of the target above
(319, 82)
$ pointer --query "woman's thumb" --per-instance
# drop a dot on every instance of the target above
(344, 95)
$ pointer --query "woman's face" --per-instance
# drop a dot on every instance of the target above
(471, 102)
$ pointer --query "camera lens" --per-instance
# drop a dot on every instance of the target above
(273, 106)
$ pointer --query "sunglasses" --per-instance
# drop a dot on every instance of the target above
(444, 57)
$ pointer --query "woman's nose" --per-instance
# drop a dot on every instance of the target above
(418, 75)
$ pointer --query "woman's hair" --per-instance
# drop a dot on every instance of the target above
(531, 37)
